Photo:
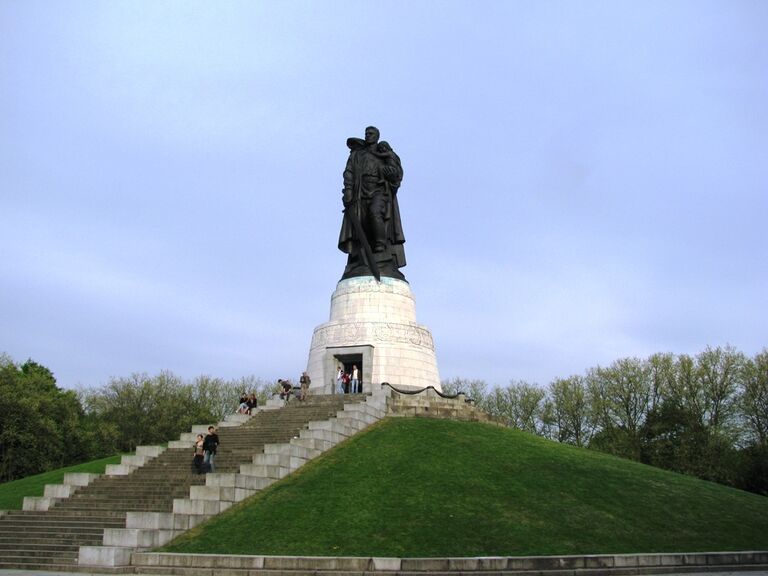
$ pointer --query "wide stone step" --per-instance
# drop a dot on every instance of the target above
(142, 487)
(111, 497)
(62, 551)
(169, 477)
(41, 567)
(131, 507)
(58, 535)
(67, 532)
(59, 531)
(68, 567)
(121, 505)
(81, 522)
(136, 483)
(54, 566)
(40, 559)
(85, 528)
(145, 490)
(122, 495)
(166, 474)
(45, 532)
(139, 490)
(53, 531)
(118, 496)
(182, 571)
(173, 474)
(124, 506)
(26, 548)
(56, 514)
(51, 538)
(136, 490)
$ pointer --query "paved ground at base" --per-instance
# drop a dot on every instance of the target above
(41, 573)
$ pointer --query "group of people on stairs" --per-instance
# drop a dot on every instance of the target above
(205, 452)
(348, 382)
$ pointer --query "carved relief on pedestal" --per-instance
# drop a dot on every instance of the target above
(388, 287)
(355, 333)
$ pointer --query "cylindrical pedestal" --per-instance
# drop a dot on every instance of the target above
(373, 325)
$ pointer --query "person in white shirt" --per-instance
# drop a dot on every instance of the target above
(355, 387)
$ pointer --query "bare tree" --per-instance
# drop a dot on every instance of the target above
(570, 410)
(620, 397)
(475, 390)
(718, 377)
(621, 393)
(754, 398)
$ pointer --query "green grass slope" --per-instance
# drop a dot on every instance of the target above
(421, 488)
(12, 493)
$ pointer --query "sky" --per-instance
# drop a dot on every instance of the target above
(584, 181)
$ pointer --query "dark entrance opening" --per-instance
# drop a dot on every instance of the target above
(348, 361)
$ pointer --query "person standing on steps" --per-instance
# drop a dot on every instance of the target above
(199, 453)
(305, 382)
(345, 383)
(340, 380)
(210, 444)
(355, 386)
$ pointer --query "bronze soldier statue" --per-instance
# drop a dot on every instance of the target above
(371, 232)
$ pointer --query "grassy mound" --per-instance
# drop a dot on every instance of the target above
(421, 488)
(12, 493)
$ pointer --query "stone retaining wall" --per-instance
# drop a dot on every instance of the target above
(604, 565)
(429, 403)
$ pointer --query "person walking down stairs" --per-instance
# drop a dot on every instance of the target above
(199, 455)
(210, 444)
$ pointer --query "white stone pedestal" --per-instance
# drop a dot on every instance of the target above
(375, 323)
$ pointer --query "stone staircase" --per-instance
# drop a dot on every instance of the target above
(50, 540)
(153, 482)
(102, 523)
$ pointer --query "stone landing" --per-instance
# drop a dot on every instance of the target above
(373, 324)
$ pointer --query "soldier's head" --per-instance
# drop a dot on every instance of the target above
(371, 135)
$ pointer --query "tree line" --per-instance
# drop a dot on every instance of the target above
(43, 427)
(704, 415)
